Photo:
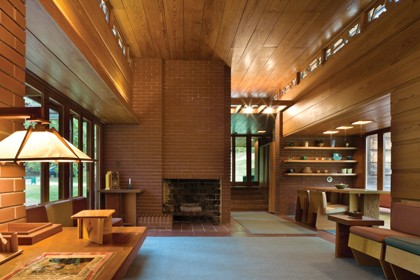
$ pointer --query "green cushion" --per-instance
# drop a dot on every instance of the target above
(409, 244)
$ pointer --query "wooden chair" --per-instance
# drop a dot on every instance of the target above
(319, 209)
(302, 206)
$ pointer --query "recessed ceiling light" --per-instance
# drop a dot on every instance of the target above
(361, 122)
(344, 127)
(330, 132)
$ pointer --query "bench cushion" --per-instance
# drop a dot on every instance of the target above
(376, 234)
(409, 244)
(60, 212)
(404, 218)
(36, 214)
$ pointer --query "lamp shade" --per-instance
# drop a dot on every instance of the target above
(44, 145)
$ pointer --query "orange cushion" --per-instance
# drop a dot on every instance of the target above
(376, 234)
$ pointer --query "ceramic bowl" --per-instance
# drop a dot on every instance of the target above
(341, 186)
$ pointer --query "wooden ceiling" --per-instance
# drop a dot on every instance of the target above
(264, 41)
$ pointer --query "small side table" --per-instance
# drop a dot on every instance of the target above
(343, 224)
(94, 224)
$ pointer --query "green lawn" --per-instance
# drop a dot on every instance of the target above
(33, 190)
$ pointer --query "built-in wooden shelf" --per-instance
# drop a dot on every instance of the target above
(321, 174)
(320, 148)
(319, 161)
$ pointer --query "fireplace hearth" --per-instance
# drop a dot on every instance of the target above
(195, 200)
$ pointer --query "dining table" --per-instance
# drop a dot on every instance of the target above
(359, 200)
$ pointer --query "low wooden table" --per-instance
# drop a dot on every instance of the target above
(93, 225)
(343, 224)
(124, 243)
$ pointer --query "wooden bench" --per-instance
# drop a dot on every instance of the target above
(368, 244)
(60, 212)
(403, 254)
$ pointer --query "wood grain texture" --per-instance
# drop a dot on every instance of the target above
(271, 38)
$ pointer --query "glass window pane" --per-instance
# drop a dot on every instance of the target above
(387, 161)
(74, 139)
(33, 183)
(254, 161)
(85, 164)
(371, 162)
(240, 159)
(32, 169)
(53, 167)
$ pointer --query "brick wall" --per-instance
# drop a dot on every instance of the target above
(12, 90)
(135, 151)
(287, 186)
(183, 107)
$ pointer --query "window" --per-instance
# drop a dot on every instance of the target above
(53, 168)
(387, 161)
(372, 161)
(74, 167)
(244, 158)
(50, 181)
(378, 161)
(32, 169)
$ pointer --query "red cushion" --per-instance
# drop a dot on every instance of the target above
(405, 218)
(79, 203)
(36, 214)
(376, 234)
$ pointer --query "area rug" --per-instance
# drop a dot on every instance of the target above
(266, 223)
(234, 258)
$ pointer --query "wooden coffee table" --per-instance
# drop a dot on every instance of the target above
(343, 224)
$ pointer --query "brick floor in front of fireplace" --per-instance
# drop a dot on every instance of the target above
(233, 229)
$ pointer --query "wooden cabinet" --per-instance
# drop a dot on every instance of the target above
(320, 160)
(124, 201)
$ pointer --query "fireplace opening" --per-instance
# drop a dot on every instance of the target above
(195, 200)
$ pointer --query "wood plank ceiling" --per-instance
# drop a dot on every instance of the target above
(264, 41)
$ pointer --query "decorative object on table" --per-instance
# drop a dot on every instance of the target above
(9, 247)
(115, 180)
(94, 225)
(129, 186)
(355, 214)
(306, 169)
(349, 170)
(330, 179)
(344, 170)
(336, 156)
(57, 265)
(341, 186)
(108, 180)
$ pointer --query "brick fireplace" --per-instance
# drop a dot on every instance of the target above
(184, 132)
(192, 199)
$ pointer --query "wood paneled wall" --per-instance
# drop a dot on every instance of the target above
(85, 25)
(405, 134)
(12, 90)
(379, 59)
